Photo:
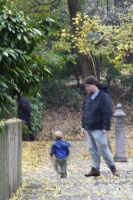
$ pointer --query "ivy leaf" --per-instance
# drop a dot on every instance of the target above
(3, 84)
(37, 31)
(49, 19)
(5, 16)
(5, 53)
(26, 39)
(19, 36)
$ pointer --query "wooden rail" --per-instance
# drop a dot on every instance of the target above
(10, 158)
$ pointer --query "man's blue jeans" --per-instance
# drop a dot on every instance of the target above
(97, 143)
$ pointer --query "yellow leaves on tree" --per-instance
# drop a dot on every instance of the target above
(113, 41)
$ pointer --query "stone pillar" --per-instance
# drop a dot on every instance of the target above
(120, 121)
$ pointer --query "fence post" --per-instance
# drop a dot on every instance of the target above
(10, 158)
(120, 121)
(4, 178)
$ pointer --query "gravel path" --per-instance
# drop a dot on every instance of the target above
(45, 184)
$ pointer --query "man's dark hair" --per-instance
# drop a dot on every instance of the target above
(90, 80)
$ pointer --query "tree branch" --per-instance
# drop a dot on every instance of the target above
(44, 4)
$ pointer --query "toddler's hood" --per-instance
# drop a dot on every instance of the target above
(62, 143)
(103, 86)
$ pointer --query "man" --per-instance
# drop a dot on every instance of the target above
(25, 113)
(97, 113)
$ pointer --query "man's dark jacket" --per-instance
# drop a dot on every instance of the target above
(97, 113)
(24, 109)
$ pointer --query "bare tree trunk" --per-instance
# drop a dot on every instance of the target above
(86, 64)
(122, 3)
(98, 62)
(108, 77)
(85, 61)
(119, 3)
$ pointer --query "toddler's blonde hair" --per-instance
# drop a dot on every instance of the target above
(58, 134)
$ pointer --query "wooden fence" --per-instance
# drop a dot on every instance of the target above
(10, 158)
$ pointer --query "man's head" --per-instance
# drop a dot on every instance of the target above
(91, 84)
(58, 135)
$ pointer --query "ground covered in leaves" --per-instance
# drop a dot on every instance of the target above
(70, 122)
(39, 180)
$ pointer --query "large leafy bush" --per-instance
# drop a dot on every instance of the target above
(58, 93)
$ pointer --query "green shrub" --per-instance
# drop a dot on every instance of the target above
(127, 83)
(57, 93)
(25, 132)
(36, 121)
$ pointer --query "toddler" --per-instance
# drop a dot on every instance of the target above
(60, 149)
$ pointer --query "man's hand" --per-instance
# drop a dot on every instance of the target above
(104, 131)
(31, 114)
(82, 131)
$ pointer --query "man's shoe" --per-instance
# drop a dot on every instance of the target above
(93, 172)
(63, 175)
(114, 171)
